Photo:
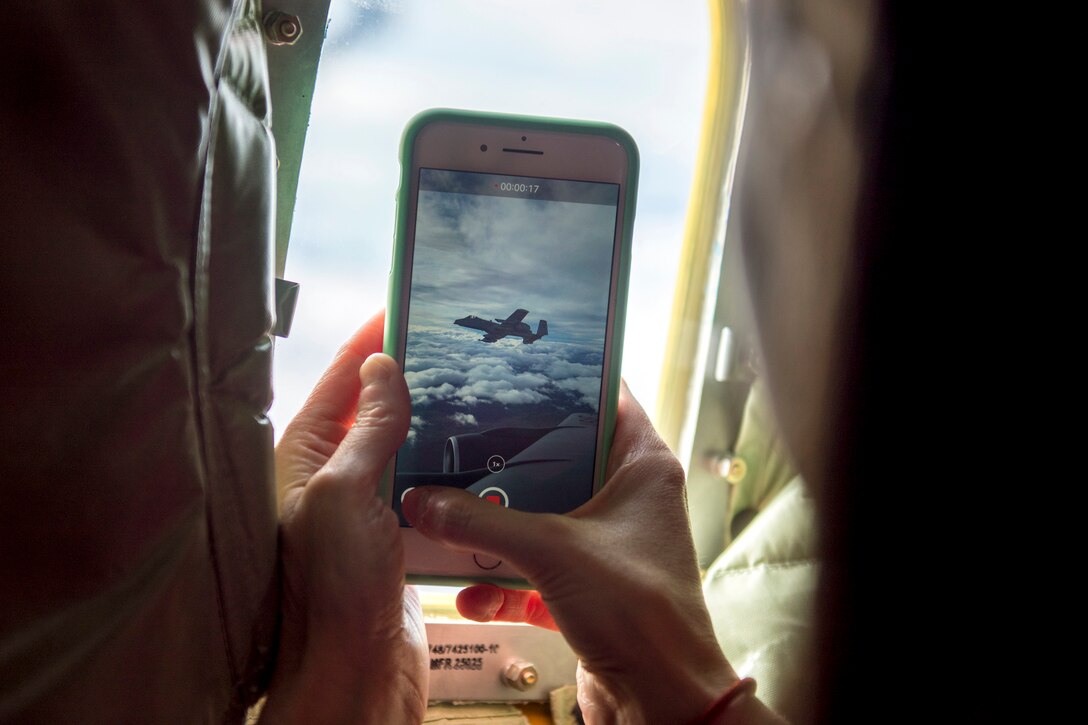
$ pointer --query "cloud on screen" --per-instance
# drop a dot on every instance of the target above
(444, 365)
(487, 256)
(460, 384)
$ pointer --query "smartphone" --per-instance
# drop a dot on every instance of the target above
(506, 309)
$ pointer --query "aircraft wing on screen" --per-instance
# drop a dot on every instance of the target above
(518, 316)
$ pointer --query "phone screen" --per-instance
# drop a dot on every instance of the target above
(511, 280)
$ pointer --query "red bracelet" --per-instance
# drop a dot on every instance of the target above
(746, 686)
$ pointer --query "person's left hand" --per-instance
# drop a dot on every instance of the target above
(353, 646)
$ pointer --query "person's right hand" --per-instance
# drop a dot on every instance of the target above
(619, 576)
(352, 646)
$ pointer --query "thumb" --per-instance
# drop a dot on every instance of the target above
(463, 521)
(381, 423)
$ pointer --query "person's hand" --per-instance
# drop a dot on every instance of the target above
(619, 575)
(352, 646)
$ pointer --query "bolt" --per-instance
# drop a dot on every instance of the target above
(520, 675)
(281, 28)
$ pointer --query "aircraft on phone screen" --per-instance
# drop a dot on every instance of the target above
(512, 326)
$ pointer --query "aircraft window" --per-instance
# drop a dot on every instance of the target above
(641, 65)
(708, 369)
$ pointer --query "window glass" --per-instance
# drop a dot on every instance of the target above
(638, 64)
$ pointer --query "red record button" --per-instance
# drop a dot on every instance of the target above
(494, 494)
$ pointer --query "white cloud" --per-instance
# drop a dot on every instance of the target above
(434, 377)
(422, 396)
(588, 387)
(518, 397)
(464, 418)
(560, 369)
(502, 391)
(460, 370)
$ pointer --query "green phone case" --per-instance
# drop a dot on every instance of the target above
(394, 334)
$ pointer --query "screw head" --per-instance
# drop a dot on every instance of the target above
(281, 28)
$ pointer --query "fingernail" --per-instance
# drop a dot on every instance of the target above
(375, 371)
(414, 506)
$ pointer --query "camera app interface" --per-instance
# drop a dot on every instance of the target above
(504, 355)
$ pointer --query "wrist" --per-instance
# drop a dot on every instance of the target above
(312, 690)
(327, 688)
(728, 704)
(675, 689)
(699, 673)
(738, 704)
